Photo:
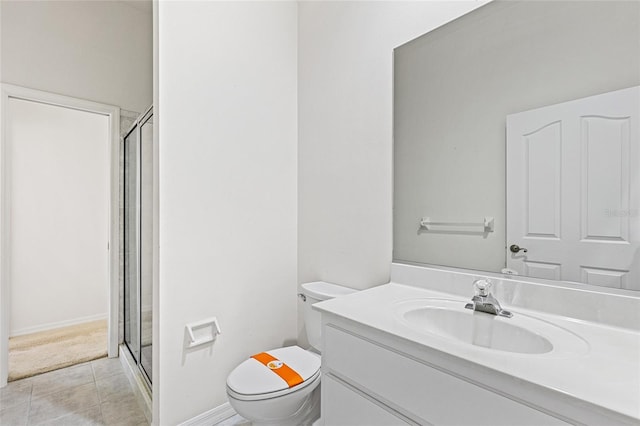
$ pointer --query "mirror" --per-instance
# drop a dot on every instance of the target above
(454, 88)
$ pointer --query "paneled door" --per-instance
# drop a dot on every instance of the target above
(573, 191)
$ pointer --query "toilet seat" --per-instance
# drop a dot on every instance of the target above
(259, 397)
(252, 380)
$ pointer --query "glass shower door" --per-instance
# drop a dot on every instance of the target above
(146, 243)
(138, 242)
(131, 243)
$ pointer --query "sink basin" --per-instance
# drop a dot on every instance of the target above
(523, 334)
(478, 329)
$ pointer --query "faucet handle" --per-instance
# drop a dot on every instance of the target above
(482, 286)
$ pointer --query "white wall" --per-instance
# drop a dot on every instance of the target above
(345, 132)
(227, 117)
(96, 50)
(58, 175)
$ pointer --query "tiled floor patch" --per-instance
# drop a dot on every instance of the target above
(95, 393)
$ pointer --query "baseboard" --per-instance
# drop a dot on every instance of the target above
(211, 417)
(140, 388)
(58, 324)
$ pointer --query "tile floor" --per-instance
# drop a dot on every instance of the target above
(94, 393)
(234, 421)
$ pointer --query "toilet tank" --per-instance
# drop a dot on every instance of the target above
(315, 292)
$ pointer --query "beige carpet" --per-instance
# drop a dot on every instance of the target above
(38, 353)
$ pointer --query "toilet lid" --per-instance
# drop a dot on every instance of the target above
(254, 378)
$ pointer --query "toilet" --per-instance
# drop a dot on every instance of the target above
(282, 386)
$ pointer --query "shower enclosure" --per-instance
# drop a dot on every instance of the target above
(138, 242)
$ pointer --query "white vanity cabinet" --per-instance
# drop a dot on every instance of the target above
(369, 380)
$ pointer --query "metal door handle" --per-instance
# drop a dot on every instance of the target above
(515, 248)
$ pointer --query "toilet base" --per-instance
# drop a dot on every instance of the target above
(306, 414)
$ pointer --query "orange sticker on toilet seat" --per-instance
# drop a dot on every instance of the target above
(285, 372)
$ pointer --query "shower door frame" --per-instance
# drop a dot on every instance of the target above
(137, 128)
(9, 91)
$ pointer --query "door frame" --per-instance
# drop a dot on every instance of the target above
(9, 91)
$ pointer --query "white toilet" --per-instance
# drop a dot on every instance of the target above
(262, 396)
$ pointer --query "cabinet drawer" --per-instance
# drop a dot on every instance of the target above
(421, 392)
(343, 406)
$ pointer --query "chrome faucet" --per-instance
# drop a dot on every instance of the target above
(483, 301)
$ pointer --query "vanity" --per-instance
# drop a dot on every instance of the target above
(515, 131)
(408, 352)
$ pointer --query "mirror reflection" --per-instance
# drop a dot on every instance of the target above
(516, 146)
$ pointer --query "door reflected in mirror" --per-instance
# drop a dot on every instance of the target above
(517, 112)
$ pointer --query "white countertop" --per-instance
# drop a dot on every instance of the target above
(605, 375)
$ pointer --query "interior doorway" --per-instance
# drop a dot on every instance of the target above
(58, 227)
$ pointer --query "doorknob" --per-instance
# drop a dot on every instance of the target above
(515, 248)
